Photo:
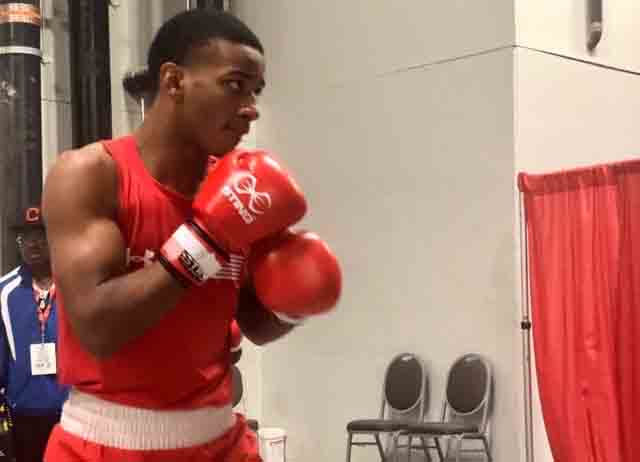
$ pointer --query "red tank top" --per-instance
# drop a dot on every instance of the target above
(183, 361)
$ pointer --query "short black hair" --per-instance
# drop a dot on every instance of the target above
(191, 29)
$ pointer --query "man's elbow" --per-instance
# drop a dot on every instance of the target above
(257, 322)
(261, 338)
(263, 330)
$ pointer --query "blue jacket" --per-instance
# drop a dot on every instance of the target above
(27, 394)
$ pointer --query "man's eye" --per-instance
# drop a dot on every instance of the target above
(235, 85)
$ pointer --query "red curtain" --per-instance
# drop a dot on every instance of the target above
(583, 233)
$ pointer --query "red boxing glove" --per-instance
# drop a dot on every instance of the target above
(245, 197)
(295, 275)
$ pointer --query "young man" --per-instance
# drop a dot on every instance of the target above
(27, 357)
(149, 235)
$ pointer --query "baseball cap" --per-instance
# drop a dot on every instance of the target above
(29, 217)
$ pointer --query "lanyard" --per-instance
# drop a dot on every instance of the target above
(44, 300)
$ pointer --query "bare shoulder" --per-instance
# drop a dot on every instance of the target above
(92, 159)
(81, 180)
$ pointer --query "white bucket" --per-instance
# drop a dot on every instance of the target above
(273, 444)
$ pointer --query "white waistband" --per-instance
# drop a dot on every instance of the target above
(126, 427)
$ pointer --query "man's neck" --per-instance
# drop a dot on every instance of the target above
(179, 167)
(42, 277)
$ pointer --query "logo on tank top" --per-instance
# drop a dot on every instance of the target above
(258, 202)
(139, 261)
(231, 270)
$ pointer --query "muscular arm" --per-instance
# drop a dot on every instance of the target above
(106, 308)
(256, 322)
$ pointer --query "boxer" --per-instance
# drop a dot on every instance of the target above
(150, 234)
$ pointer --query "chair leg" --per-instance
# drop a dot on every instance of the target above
(458, 447)
(486, 448)
(349, 440)
(441, 457)
(409, 447)
(393, 456)
(425, 447)
(380, 449)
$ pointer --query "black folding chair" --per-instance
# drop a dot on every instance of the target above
(465, 411)
(404, 391)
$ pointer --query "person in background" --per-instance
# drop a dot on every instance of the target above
(28, 348)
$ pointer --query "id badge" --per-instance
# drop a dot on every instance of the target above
(43, 358)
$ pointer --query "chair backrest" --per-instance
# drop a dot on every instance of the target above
(469, 388)
(238, 389)
(405, 386)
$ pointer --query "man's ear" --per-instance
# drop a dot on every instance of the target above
(172, 80)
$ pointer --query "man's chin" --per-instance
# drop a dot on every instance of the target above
(36, 261)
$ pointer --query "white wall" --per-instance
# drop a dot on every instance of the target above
(560, 27)
(571, 114)
(404, 145)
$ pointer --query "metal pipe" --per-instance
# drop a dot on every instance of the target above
(20, 117)
(525, 327)
(90, 70)
(594, 23)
